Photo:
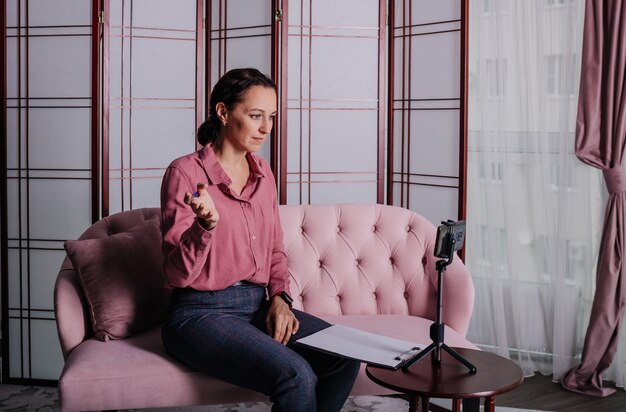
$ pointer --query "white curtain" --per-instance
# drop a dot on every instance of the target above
(534, 211)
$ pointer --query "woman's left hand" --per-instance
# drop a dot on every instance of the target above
(281, 323)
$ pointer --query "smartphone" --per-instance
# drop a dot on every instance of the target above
(449, 232)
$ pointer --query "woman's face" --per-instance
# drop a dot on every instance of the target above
(251, 120)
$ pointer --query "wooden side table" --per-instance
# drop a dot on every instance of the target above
(452, 380)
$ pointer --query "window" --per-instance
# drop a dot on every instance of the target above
(554, 3)
(492, 7)
(496, 77)
(493, 248)
(560, 81)
(496, 172)
(560, 178)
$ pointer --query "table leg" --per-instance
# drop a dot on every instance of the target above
(456, 405)
(424, 404)
(490, 404)
(413, 403)
(472, 405)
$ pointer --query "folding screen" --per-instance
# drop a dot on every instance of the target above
(427, 120)
(152, 99)
(371, 109)
(49, 171)
(240, 36)
(334, 143)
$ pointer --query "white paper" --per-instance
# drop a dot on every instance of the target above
(364, 346)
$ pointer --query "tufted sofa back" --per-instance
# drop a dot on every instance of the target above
(367, 259)
(361, 259)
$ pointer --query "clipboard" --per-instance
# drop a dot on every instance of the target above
(363, 346)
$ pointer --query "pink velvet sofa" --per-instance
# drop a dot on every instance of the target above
(366, 266)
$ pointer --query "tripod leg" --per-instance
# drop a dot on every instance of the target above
(413, 403)
(420, 355)
(458, 357)
(471, 404)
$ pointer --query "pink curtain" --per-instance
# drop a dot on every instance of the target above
(600, 139)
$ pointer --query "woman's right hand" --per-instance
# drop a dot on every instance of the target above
(203, 206)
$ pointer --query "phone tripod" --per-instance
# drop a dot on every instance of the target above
(437, 328)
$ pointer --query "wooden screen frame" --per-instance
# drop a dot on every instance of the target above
(105, 75)
(94, 157)
(463, 112)
(381, 106)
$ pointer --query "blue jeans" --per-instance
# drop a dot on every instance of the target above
(223, 334)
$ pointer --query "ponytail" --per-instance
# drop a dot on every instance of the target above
(208, 132)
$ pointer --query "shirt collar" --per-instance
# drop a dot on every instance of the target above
(255, 167)
(216, 173)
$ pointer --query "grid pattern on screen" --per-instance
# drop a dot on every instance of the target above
(48, 169)
(241, 34)
(335, 102)
(427, 111)
(152, 83)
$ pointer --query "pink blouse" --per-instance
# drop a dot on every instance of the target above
(246, 244)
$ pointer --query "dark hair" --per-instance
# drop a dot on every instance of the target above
(229, 90)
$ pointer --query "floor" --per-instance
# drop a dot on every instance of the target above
(536, 393)
(539, 392)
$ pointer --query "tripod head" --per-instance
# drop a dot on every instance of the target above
(450, 237)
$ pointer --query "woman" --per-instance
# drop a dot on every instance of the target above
(230, 313)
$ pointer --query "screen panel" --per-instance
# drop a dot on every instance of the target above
(57, 137)
(240, 36)
(154, 95)
(48, 169)
(45, 352)
(335, 102)
(428, 114)
(436, 200)
(437, 153)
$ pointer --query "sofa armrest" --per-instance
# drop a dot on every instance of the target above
(71, 310)
(73, 322)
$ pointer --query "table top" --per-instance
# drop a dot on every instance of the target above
(451, 379)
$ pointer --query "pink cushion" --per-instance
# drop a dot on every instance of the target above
(138, 373)
(122, 278)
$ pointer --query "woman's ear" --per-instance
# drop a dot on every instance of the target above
(222, 112)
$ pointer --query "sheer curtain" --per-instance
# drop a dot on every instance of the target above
(534, 211)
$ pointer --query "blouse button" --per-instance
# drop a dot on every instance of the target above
(253, 237)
